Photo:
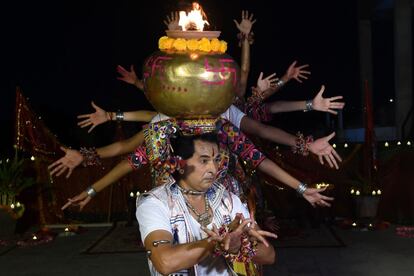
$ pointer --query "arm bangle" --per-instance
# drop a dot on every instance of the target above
(308, 106)
(280, 83)
(119, 116)
(301, 188)
(91, 191)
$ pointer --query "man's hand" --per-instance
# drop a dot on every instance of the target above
(246, 24)
(323, 149)
(129, 76)
(326, 104)
(99, 117)
(81, 200)
(172, 22)
(296, 72)
(314, 197)
(70, 161)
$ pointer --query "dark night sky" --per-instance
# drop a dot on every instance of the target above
(64, 54)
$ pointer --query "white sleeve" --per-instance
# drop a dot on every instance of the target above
(152, 215)
(238, 207)
(234, 115)
(159, 117)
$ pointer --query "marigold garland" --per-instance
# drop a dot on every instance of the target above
(203, 45)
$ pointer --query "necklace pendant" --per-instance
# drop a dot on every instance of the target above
(204, 219)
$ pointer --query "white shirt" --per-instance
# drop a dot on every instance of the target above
(232, 114)
(153, 216)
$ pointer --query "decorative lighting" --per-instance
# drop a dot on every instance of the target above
(12, 206)
(354, 224)
(138, 194)
(32, 158)
(131, 194)
(18, 204)
(374, 193)
(370, 225)
(379, 192)
(398, 143)
(352, 191)
(66, 229)
(408, 143)
(34, 237)
(345, 145)
(357, 192)
(391, 100)
(334, 146)
(386, 144)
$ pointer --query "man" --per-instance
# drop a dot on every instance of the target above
(178, 221)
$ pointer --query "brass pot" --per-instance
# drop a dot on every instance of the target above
(190, 85)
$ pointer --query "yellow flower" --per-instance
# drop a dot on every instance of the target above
(192, 44)
(223, 46)
(180, 44)
(215, 45)
(204, 45)
(165, 43)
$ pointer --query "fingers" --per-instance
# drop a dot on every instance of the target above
(254, 21)
(244, 14)
(270, 76)
(332, 158)
(330, 136)
(251, 17)
(260, 76)
(304, 66)
(121, 70)
(328, 160)
(62, 170)
(84, 123)
(332, 111)
(267, 234)
(83, 116)
(336, 98)
(66, 205)
(259, 237)
(54, 164)
(321, 90)
(320, 159)
(165, 23)
(64, 149)
(69, 172)
(57, 168)
(293, 64)
(92, 127)
(336, 155)
(94, 106)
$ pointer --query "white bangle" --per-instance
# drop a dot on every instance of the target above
(301, 188)
(308, 106)
(91, 191)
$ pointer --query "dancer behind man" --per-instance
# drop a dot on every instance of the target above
(179, 221)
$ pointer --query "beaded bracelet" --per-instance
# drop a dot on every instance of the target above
(242, 36)
(302, 144)
(90, 157)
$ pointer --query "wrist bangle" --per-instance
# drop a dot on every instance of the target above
(91, 191)
(280, 83)
(119, 116)
(308, 106)
(301, 188)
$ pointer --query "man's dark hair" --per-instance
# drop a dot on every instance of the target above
(184, 145)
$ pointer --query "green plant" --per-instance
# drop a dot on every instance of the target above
(12, 179)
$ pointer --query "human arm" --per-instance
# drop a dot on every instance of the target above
(74, 158)
(101, 116)
(293, 72)
(172, 22)
(319, 147)
(244, 27)
(319, 103)
(115, 174)
(130, 77)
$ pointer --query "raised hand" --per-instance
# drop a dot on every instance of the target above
(93, 119)
(172, 22)
(70, 161)
(314, 197)
(266, 83)
(323, 149)
(81, 200)
(326, 104)
(245, 25)
(129, 76)
(297, 72)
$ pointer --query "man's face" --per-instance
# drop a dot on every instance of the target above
(201, 169)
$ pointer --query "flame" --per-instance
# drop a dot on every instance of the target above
(194, 20)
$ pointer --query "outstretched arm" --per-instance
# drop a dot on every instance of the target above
(319, 147)
(244, 27)
(120, 170)
(318, 103)
(293, 72)
(101, 116)
(74, 158)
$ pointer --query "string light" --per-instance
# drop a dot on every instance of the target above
(334, 146)
(32, 158)
(354, 224)
(66, 229)
(386, 144)
(12, 206)
(345, 145)
(34, 237)
(352, 191)
(18, 204)
(374, 193)
(138, 194)
(409, 143)
(391, 100)
(398, 143)
(357, 192)
(379, 192)
(131, 194)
